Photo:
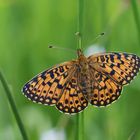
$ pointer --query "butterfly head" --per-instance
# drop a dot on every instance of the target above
(79, 52)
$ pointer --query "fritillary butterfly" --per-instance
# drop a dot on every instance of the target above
(97, 79)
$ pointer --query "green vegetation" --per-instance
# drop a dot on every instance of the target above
(27, 28)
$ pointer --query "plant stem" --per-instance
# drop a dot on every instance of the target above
(80, 7)
(13, 106)
(77, 128)
(136, 16)
(82, 126)
(80, 117)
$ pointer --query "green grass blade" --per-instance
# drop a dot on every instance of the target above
(80, 117)
(13, 107)
(77, 128)
(136, 16)
(82, 126)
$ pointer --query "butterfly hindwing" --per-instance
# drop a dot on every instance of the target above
(72, 99)
(104, 90)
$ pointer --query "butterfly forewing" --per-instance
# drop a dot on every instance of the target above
(46, 88)
(110, 71)
(120, 67)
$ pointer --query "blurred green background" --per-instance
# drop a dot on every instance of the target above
(27, 28)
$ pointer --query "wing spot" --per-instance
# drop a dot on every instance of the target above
(111, 91)
(107, 94)
(108, 101)
(122, 73)
(102, 102)
(102, 95)
(118, 65)
(61, 69)
(56, 94)
(66, 101)
(113, 97)
(71, 102)
(97, 75)
(76, 101)
(79, 107)
(43, 83)
(66, 109)
(50, 92)
(112, 72)
(112, 58)
(73, 110)
(61, 107)
(128, 78)
(53, 101)
(36, 97)
(49, 83)
(118, 93)
(44, 91)
(43, 77)
(102, 58)
(85, 104)
(95, 102)
(112, 65)
(41, 99)
(47, 100)
(51, 74)
(95, 95)
(59, 86)
(31, 95)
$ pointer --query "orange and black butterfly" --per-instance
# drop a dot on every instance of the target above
(97, 79)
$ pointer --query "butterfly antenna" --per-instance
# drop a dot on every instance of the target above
(99, 36)
(96, 38)
(55, 47)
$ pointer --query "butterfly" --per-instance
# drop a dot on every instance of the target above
(96, 80)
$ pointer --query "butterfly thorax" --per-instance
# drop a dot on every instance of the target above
(84, 78)
(82, 62)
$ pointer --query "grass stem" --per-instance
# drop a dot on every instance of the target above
(136, 16)
(13, 106)
(77, 128)
(82, 126)
(80, 117)
(80, 7)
